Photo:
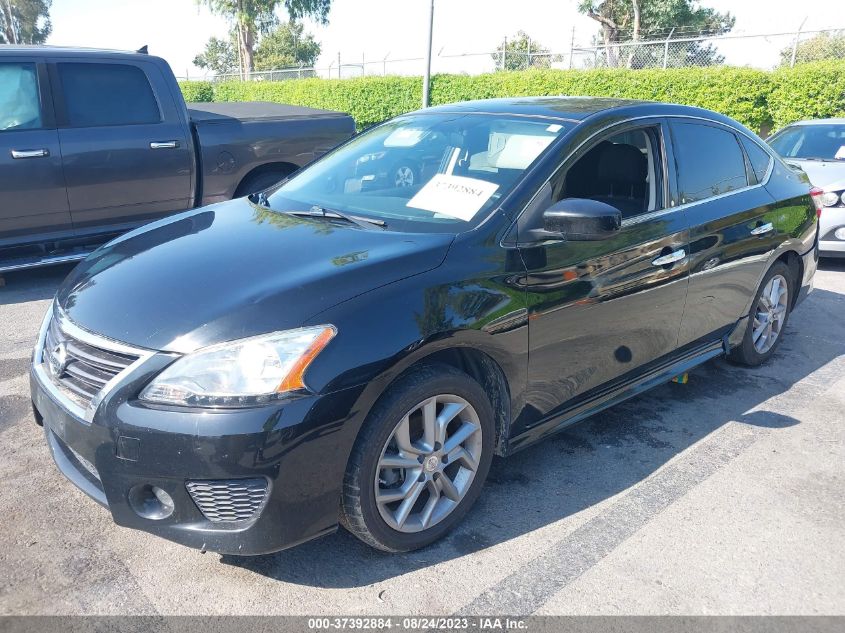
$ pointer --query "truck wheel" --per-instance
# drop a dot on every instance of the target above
(767, 318)
(420, 460)
(260, 181)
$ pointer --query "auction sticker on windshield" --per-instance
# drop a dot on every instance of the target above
(455, 196)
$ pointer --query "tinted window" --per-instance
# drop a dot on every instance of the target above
(759, 158)
(20, 106)
(709, 160)
(107, 94)
(822, 141)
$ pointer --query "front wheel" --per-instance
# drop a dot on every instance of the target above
(767, 319)
(420, 461)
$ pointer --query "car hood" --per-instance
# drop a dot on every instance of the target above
(234, 270)
(828, 175)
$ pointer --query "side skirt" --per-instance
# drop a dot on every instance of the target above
(618, 393)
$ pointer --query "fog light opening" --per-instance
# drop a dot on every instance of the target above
(150, 502)
(839, 234)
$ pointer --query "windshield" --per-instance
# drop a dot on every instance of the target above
(811, 142)
(423, 172)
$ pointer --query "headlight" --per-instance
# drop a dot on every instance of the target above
(830, 198)
(240, 373)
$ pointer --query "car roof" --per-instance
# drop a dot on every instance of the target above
(24, 50)
(572, 108)
(834, 121)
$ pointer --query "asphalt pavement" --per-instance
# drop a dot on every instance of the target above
(722, 496)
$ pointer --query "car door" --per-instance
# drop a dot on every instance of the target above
(602, 310)
(733, 224)
(33, 201)
(127, 154)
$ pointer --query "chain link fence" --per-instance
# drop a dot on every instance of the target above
(763, 51)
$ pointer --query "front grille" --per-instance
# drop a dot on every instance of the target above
(80, 369)
(229, 499)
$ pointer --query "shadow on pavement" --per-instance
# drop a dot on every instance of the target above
(32, 285)
(590, 462)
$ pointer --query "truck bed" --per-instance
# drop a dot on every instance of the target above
(254, 111)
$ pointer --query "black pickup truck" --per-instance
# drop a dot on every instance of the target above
(94, 143)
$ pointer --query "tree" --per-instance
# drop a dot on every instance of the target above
(25, 21)
(287, 46)
(251, 18)
(642, 20)
(828, 45)
(221, 56)
(521, 52)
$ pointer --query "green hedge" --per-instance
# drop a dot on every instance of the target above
(815, 90)
(757, 98)
(197, 91)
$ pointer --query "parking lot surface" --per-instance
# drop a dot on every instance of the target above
(722, 496)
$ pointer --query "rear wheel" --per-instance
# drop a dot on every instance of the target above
(767, 318)
(420, 460)
(260, 181)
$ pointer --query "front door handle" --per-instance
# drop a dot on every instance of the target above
(763, 229)
(164, 144)
(671, 258)
(30, 153)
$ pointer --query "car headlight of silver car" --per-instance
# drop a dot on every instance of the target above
(241, 373)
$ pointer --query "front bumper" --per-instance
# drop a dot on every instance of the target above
(299, 447)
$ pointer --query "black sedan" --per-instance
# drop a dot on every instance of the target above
(249, 375)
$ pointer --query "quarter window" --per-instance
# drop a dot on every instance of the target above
(709, 161)
(20, 105)
(759, 158)
(107, 94)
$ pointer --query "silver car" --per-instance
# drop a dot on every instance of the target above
(818, 147)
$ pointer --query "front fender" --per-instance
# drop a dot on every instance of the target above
(384, 332)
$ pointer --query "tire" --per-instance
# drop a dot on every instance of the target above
(750, 351)
(433, 494)
(260, 181)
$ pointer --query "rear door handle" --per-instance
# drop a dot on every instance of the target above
(671, 258)
(30, 153)
(164, 144)
(763, 229)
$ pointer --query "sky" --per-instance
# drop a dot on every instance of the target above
(372, 30)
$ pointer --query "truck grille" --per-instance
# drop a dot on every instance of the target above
(80, 369)
(229, 499)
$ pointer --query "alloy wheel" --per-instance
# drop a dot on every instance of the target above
(770, 313)
(428, 463)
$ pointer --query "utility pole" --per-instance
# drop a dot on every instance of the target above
(795, 45)
(426, 99)
(571, 48)
(666, 49)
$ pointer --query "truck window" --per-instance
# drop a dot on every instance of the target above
(107, 94)
(20, 105)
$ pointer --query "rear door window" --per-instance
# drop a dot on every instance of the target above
(20, 104)
(709, 161)
(107, 94)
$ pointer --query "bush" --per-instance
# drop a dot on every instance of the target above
(197, 91)
(807, 91)
(756, 98)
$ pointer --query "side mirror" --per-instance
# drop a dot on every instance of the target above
(582, 220)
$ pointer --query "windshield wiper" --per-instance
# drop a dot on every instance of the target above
(332, 214)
